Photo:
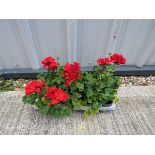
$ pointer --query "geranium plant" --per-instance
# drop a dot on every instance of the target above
(62, 89)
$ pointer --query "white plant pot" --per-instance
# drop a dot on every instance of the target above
(110, 108)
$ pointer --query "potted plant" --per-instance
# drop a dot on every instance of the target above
(63, 89)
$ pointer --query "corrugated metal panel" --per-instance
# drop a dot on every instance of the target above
(24, 43)
(133, 38)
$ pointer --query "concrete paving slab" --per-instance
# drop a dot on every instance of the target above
(134, 115)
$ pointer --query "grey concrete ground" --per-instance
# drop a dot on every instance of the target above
(135, 114)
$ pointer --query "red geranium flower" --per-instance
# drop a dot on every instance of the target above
(118, 58)
(34, 87)
(56, 95)
(71, 72)
(103, 61)
(49, 63)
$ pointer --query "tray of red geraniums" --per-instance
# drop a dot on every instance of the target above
(63, 89)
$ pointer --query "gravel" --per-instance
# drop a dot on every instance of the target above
(19, 84)
(138, 81)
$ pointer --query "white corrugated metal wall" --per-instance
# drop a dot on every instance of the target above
(24, 43)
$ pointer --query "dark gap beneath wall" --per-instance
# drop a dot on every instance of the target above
(123, 70)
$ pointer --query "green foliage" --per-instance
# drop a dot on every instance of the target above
(11, 85)
(51, 78)
(31, 99)
(93, 90)
(6, 85)
(44, 105)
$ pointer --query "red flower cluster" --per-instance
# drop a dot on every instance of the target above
(34, 87)
(103, 61)
(56, 95)
(71, 72)
(49, 63)
(115, 58)
(118, 58)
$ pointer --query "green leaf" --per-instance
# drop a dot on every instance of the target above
(80, 86)
(31, 99)
(74, 99)
(28, 99)
(90, 100)
(89, 93)
(87, 113)
(24, 99)
(73, 86)
(45, 101)
(116, 99)
(78, 95)
(78, 103)
(45, 110)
